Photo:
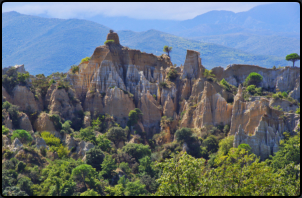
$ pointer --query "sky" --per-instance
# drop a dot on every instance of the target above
(137, 10)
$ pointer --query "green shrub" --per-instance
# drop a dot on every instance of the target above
(298, 110)
(274, 67)
(22, 78)
(22, 135)
(163, 85)
(278, 108)
(62, 84)
(52, 81)
(21, 166)
(87, 134)
(172, 74)
(5, 130)
(117, 134)
(95, 157)
(154, 96)
(137, 151)
(50, 139)
(284, 94)
(74, 69)
(251, 88)
(246, 147)
(225, 84)
(253, 79)
(85, 59)
(183, 134)
(109, 42)
(134, 116)
(211, 143)
(208, 73)
(9, 80)
(66, 127)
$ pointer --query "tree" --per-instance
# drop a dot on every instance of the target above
(82, 172)
(253, 79)
(95, 157)
(225, 145)
(211, 143)
(134, 116)
(25, 184)
(135, 188)
(292, 57)
(167, 49)
(183, 134)
(180, 176)
(22, 135)
(90, 193)
(116, 134)
(108, 166)
(137, 151)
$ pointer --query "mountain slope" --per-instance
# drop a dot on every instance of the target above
(48, 45)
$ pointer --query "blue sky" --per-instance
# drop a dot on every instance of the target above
(141, 10)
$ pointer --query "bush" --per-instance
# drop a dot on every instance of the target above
(253, 79)
(22, 135)
(211, 143)
(116, 134)
(246, 147)
(22, 78)
(103, 143)
(108, 165)
(66, 127)
(74, 69)
(137, 151)
(52, 81)
(208, 73)
(183, 134)
(172, 74)
(225, 145)
(9, 80)
(50, 139)
(87, 134)
(163, 85)
(109, 42)
(225, 84)
(298, 110)
(134, 116)
(85, 59)
(95, 157)
(62, 84)
(21, 166)
(5, 130)
(284, 94)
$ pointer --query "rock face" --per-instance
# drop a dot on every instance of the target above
(24, 122)
(282, 79)
(118, 104)
(40, 142)
(296, 92)
(24, 98)
(16, 144)
(19, 68)
(192, 67)
(264, 142)
(212, 109)
(64, 103)
(43, 123)
(83, 147)
(284, 104)
(6, 96)
(249, 114)
(151, 113)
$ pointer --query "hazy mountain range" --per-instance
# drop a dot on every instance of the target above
(47, 45)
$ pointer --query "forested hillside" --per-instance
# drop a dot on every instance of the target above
(46, 45)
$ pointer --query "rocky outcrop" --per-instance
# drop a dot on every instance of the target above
(24, 122)
(264, 142)
(40, 142)
(118, 104)
(192, 66)
(151, 113)
(83, 147)
(19, 68)
(284, 104)
(5, 141)
(64, 103)
(69, 141)
(24, 98)
(212, 109)
(281, 79)
(43, 123)
(249, 114)
(6, 96)
(296, 92)
(16, 145)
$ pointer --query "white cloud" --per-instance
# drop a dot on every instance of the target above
(141, 10)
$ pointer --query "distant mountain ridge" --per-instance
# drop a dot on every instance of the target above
(46, 45)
